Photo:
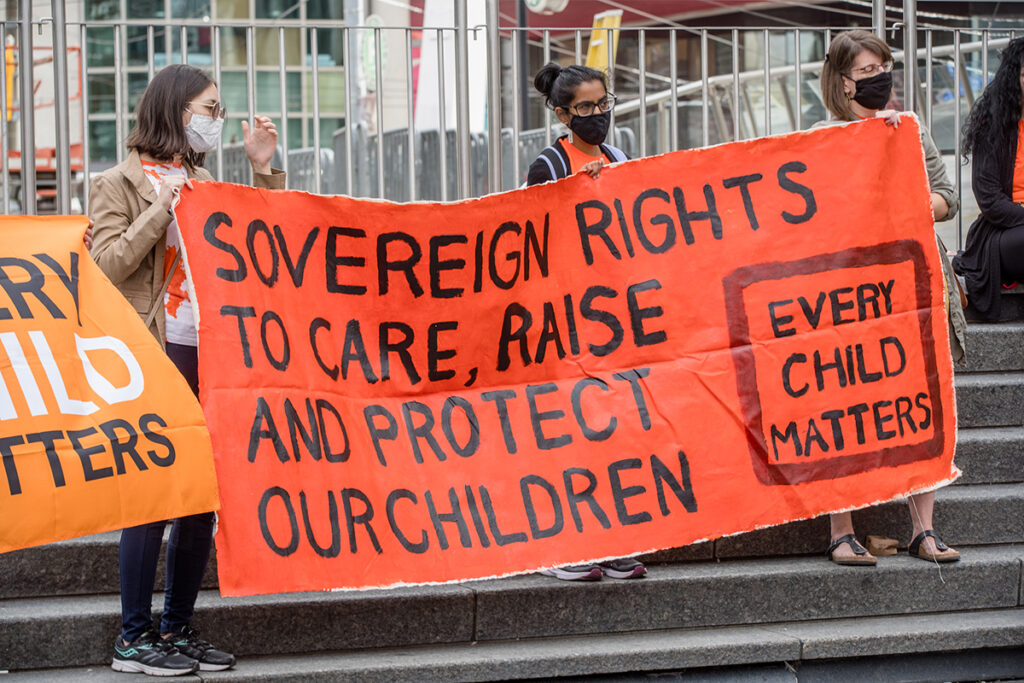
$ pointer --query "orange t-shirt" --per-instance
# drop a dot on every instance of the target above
(1018, 166)
(577, 158)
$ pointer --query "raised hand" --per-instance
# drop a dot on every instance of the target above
(260, 142)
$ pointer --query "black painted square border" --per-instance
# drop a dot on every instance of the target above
(886, 253)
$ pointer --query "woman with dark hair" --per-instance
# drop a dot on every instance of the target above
(136, 244)
(580, 99)
(856, 84)
(994, 253)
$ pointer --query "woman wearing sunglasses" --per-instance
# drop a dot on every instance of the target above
(136, 244)
(856, 84)
(580, 99)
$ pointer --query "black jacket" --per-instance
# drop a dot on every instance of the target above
(992, 180)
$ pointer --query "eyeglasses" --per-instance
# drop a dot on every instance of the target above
(871, 70)
(216, 110)
(588, 108)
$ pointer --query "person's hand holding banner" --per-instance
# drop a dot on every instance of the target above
(99, 431)
(688, 346)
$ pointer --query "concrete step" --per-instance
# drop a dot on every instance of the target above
(990, 399)
(1011, 306)
(78, 566)
(79, 631)
(676, 650)
(994, 347)
(990, 455)
(964, 515)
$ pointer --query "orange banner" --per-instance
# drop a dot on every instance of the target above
(692, 345)
(99, 430)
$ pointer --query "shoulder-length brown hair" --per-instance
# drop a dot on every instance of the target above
(159, 131)
(842, 52)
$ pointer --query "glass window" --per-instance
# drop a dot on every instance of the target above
(329, 46)
(197, 46)
(102, 10)
(137, 83)
(268, 48)
(190, 9)
(294, 133)
(325, 9)
(102, 141)
(328, 125)
(101, 93)
(233, 9)
(234, 92)
(268, 92)
(146, 9)
(332, 91)
(232, 47)
(277, 9)
(138, 44)
(100, 46)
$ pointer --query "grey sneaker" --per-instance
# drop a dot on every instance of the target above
(625, 568)
(580, 572)
(150, 654)
(188, 642)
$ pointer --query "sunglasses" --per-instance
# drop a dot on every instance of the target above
(217, 111)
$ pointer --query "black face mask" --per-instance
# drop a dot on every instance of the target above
(873, 93)
(592, 129)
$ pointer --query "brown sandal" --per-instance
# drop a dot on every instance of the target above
(860, 558)
(945, 554)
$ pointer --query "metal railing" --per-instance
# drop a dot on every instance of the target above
(743, 82)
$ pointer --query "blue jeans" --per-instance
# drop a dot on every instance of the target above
(188, 550)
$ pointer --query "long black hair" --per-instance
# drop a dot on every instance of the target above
(997, 111)
(558, 84)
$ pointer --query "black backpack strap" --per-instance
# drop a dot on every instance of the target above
(556, 161)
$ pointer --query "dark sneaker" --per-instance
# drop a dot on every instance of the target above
(581, 572)
(622, 569)
(188, 642)
(150, 654)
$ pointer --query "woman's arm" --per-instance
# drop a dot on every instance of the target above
(945, 202)
(118, 243)
(987, 182)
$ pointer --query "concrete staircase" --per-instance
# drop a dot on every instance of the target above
(763, 606)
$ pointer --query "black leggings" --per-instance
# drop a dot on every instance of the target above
(1011, 254)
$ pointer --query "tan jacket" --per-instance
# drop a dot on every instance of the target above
(128, 241)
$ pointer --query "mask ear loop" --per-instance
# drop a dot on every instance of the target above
(176, 191)
(568, 126)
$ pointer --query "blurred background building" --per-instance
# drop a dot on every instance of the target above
(687, 73)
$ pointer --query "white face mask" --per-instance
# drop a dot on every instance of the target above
(203, 132)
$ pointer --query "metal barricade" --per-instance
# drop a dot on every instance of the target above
(717, 84)
(309, 171)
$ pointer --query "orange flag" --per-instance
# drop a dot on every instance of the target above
(98, 430)
(691, 345)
